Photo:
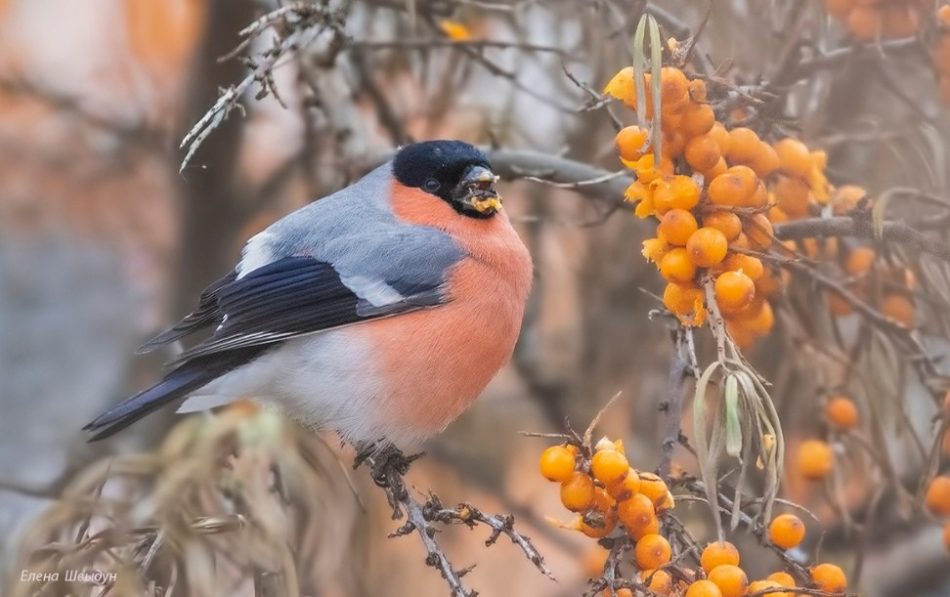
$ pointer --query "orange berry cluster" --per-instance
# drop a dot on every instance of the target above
(937, 501)
(716, 194)
(940, 54)
(606, 492)
(613, 499)
(815, 458)
(868, 20)
(895, 299)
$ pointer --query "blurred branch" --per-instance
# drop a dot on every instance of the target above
(850, 226)
(73, 105)
(424, 44)
(834, 58)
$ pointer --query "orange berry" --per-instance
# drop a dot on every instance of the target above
(636, 512)
(731, 580)
(768, 285)
(731, 188)
(703, 588)
(652, 551)
(717, 554)
(676, 266)
(651, 528)
(621, 592)
(937, 499)
(721, 136)
(743, 145)
(783, 579)
(734, 290)
(838, 305)
(626, 487)
(647, 170)
(815, 459)
(829, 577)
(707, 247)
(940, 55)
(557, 464)
(747, 264)
(720, 168)
(793, 196)
(759, 231)
(786, 531)
(793, 157)
(865, 22)
(765, 160)
(674, 141)
(654, 488)
(841, 413)
(761, 320)
(685, 192)
(676, 192)
(630, 142)
(943, 15)
(899, 308)
(609, 466)
(622, 87)
(673, 85)
(760, 198)
(658, 581)
(846, 199)
(697, 90)
(577, 493)
(702, 152)
(686, 301)
(946, 536)
(724, 221)
(676, 226)
(697, 119)
(839, 9)
(859, 261)
(899, 21)
(604, 526)
(654, 249)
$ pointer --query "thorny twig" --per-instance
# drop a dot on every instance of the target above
(389, 467)
(301, 19)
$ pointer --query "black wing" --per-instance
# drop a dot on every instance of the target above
(291, 297)
(206, 314)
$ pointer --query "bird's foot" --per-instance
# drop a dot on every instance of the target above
(388, 465)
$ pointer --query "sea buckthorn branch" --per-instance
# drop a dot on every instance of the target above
(852, 226)
(471, 517)
(388, 467)
(914, 352)
(296, 24)
(633, 510)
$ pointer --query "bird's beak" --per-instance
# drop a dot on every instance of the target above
(476, 191)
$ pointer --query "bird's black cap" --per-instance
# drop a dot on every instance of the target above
(437, 167)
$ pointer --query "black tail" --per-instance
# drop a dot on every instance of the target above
(175, 386)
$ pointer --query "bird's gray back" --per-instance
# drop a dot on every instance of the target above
(356, 232)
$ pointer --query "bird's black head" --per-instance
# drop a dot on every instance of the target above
(453, 171)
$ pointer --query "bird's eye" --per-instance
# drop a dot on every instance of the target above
(432, 185)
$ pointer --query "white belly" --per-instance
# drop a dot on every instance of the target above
(325, 381)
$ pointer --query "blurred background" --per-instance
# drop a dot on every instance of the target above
(103, 242)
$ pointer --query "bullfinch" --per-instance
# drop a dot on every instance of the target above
(380, 311)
